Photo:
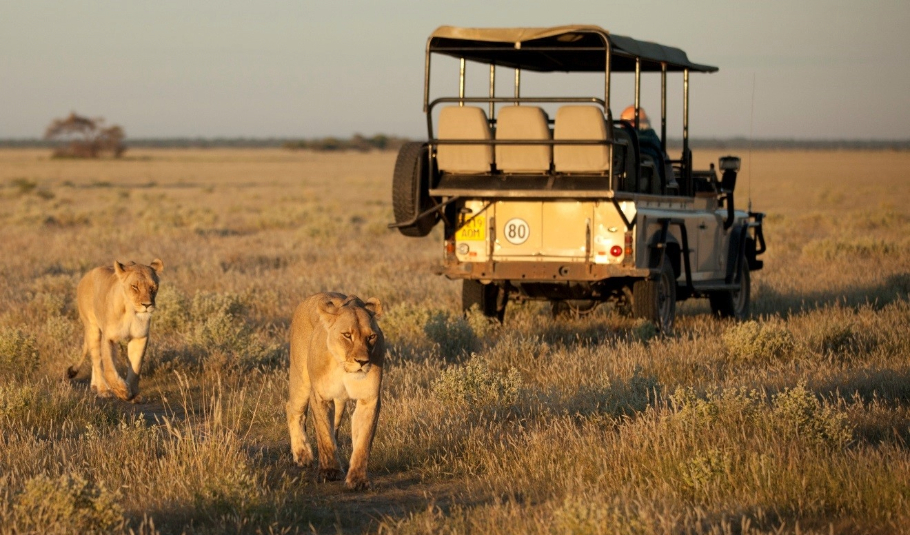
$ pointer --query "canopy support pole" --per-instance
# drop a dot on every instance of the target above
(461, 83)
(492, 87)
(637, 92)
(663, 107)
(517, 85)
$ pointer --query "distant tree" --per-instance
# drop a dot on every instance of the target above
(379, 141)
(359, 143)
(85, 137)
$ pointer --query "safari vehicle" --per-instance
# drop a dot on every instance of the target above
(551, 198)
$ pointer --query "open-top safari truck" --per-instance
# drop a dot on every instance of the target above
(551, 198)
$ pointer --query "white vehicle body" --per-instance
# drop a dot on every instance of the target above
(550, 198)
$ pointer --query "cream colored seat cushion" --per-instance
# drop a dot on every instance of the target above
(464, 122)
(580, 123)
(522, 122)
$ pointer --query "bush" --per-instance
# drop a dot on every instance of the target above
(67, 504)
(453, 336)
(831, 249)
(217, 327)
(18, 354)
(172, 311)
(801, 415)
(703, 470)
(476, 387)
(752, 341)
(15, 399)
(404, 323)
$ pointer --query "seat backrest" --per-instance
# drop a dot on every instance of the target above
(464, 122)
(581, 123)
(519, 123)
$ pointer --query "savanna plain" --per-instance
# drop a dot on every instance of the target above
(796, 421)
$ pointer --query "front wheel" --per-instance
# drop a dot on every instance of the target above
(491, 299)
(654, 299)
(734, 303)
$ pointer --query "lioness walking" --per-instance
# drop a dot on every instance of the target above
(337, 353)
(116, 304)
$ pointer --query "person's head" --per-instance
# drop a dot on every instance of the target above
(628, 114)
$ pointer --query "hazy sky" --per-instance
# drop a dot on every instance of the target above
(818, 69)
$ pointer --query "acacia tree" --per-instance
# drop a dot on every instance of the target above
(85, 137)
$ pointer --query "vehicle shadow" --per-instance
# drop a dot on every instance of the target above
(772, 302)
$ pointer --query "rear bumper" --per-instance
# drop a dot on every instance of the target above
(539, 271)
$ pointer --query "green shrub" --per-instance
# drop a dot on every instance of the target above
(172, 311)
(15, 399)
(799, 414)
(67, 504)
(582, 517)
(730, 407)
(834, 339)
(404, 323)
(474, 386)
(453, 335)
(23, 185)
(704, 469)
(832, 249)
(18, 353)
(482, 326)
(216, 326)
(752, 341)
(644, 331)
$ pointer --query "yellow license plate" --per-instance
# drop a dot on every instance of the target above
(474, 230)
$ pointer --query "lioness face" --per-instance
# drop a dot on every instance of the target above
(352, 337)
(140, 285)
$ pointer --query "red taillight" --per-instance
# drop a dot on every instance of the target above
(616, 250)
(450, 248)
(629, 250)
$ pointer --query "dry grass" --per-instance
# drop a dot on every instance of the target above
(797, 421)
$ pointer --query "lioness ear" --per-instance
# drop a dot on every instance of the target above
(119, 269)
(374, 306)
(157, 265)
(329, 307)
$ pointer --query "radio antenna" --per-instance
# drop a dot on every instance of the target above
(751, 126)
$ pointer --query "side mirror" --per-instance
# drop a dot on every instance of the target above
(730, 163)
(730, 166)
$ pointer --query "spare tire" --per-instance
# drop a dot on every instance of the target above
(411, 190)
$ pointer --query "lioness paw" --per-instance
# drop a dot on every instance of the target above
(303, 457)
(330, 474)
(123, 393)
(102, 392)
(357, 483)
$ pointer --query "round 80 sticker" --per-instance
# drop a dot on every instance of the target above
(516, 231)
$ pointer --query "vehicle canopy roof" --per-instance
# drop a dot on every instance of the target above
(572, 48)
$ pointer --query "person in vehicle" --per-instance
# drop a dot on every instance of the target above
(648, 141)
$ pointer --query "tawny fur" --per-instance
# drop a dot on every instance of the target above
(337, 354)
(116, 305)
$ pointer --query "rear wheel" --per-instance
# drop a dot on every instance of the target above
(410, 189)
(734, 303)
(491, 299)
(654, 299)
